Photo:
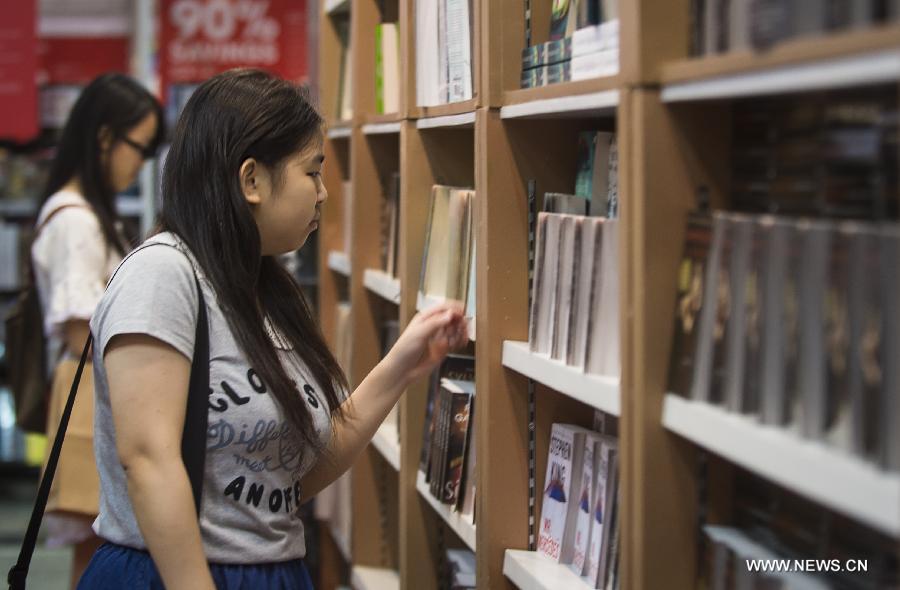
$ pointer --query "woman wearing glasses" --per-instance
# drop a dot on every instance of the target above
(113, 127)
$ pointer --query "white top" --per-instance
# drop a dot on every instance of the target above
(71, 265)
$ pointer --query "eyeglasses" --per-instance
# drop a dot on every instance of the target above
(146, 152)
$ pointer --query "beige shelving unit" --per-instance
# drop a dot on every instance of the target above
(671, 113)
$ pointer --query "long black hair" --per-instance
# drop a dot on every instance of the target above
(234, 116)
(111, 102)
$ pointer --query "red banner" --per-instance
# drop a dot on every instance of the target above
(78, 60)
(200, 38)
(18, 68)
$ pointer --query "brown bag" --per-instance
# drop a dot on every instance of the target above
(26, 359)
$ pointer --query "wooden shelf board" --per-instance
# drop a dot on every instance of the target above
(335, 7)
(602, 393)
(384, 118)
(443, 110)
(835, 479)
(846, 59)
(339, 262)
(381, 128)
(340, 130)
(529, 570)
(382, 284)
(560, 99)
(596, 104)
(425, 302)
(387, 443)
(464, 529)
(374, 578)
(462, 120)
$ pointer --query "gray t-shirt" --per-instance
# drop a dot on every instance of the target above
(254, 457)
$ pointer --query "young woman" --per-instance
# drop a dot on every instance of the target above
(113, 127)
(242, 184)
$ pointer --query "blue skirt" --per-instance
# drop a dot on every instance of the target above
(114, 567)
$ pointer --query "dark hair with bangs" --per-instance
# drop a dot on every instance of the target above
(112, 102)
(234, 116)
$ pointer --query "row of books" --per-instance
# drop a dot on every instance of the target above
(583, 43)
(387, 68)
(390, 226)
(721, 26)
(818, 549)
(575, 303)
(460, 570)
(448, 262)
(597, 172)
(794, 321)
(579, 516)
(444, 69)
(448, 439)
(830, 154)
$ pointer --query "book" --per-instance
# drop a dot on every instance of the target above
(703, 358)
(428, 43)
(563, 203)
(391, 242)
(459, 50)
(839, 363)
(780, 323)
(460, 397)
(608, 553)
(560, 16)
(545, 278)
(604, 177)
(589, 264)
(584, 176)
(604, 467)
(814, 286)
(471, 287)
(889, 278)
(603, 342)
(733, 394)
(345, 88)
(569, 240)
(689, 301)
(437, 243)
(559, 510)
(387, 68)
(466, 501)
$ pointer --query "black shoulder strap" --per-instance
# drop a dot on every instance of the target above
(193, 437)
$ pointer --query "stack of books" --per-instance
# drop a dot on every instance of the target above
(795, 321)
(443, 51)
(448, 439)
(579, 514)
(390, 226)
(344, 106)
(583, 43)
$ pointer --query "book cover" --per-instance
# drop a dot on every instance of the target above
(839, 330)
(689, 301)
(780, 322)
(546, 274)
(559, 19)
(584, 176)
(612, 196)
(603, 338)
(534, 56)
(457, 367)
(379, 68)
(460, 396)
(439, 444)
(610, 514)
(564, 288)
(393, 239)
(582, 318)
(708, 314)
(600, 173)
(735, 342)
(465, 503)
(459, 50)
(471, 287)
(563, 478)
(815, 250)
(537, 280)
(589, 13)
(587, 505)
(559, 72)
(889, 403)
(437, 243)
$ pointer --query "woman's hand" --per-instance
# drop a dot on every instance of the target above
(426, 341)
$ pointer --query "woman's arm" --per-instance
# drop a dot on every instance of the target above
(148, 384)
(76, 333)
(419, 350)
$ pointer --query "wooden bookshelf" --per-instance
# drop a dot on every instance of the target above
(672, 116)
